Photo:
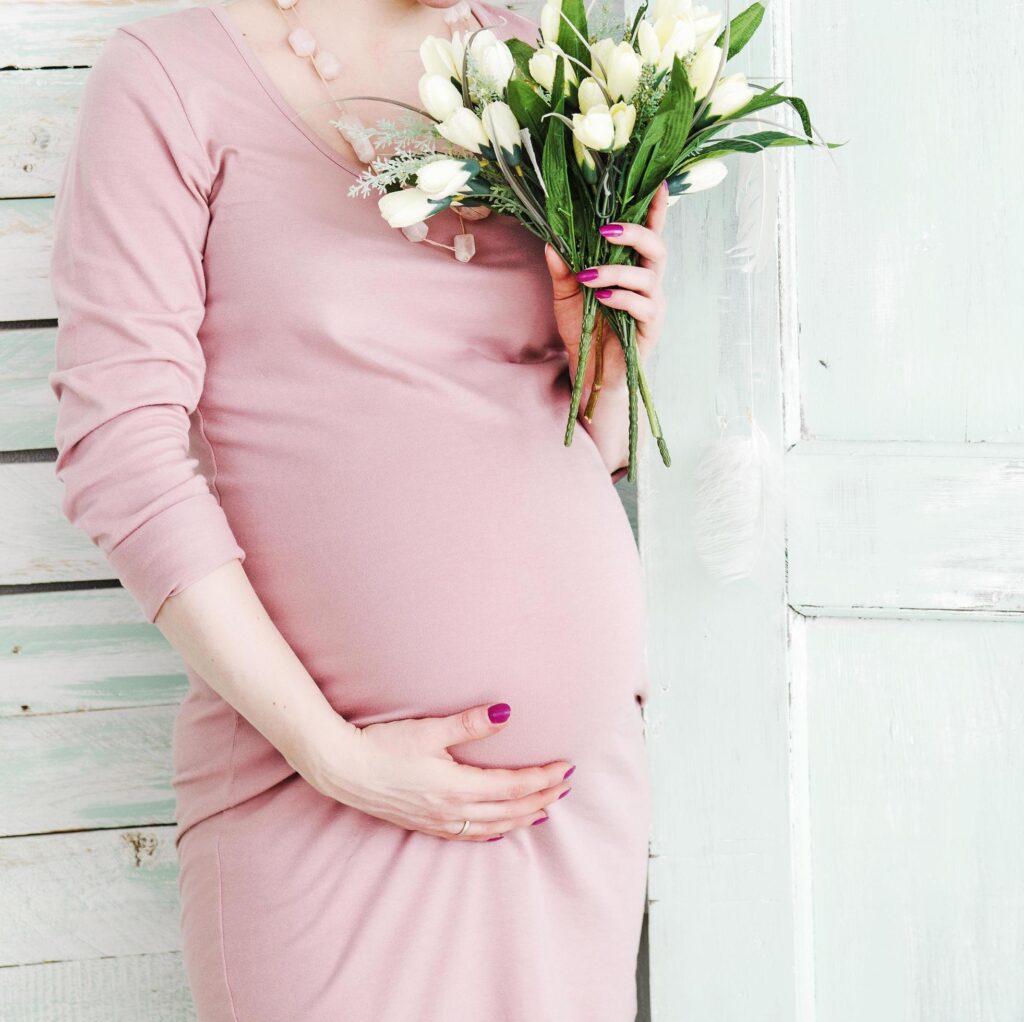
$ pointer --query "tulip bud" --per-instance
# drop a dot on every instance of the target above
(464, 129)
(601, 56)
(542, 66)
(648, 42)
(444, 178)
(732, 95)
(677, 38)
(623, 118)
(409, 206)
(438, 57)
(439, 96)
(623, 68)
(703, 70)
(550, 21)
(590, 94)
(585, 160)
(502, 129)
(595, 128)
(493, 59)
(698, 177)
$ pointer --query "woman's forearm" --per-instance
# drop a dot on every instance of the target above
(222, 631)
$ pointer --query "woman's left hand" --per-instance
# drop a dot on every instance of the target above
(635, 289)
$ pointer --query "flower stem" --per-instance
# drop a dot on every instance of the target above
(595, 387)
(589, 309)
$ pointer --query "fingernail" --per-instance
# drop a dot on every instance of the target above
(586, 275)
(664, 185)
(497, 837)
(564, 793)
(603, 292)
(610, 230)
(568, 772)
(499, 713)
(543, 819)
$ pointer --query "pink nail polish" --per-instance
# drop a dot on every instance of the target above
(586, 275)
(610, 230)
(543, 819)
(568, 772)
(564, 793)
(497, 837)
(499, 713)
(603, 292)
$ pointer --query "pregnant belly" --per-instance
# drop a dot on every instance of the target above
(451, 568)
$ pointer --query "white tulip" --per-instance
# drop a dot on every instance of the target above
(703, 70)
(600, 57)
(624, 119)
(595, 129)
(439, 96)
(585, 160)
(443, 178)
(648, 42)
(550, 20)
(590, 94)
(438, 56)
(707, 25)
(677, 37)
(697, 178)
(464, 129)
(732, 94)
(409, 206)
(670, 8)
(622, 67)
(503, 129)
(493, 59)
(542, 66)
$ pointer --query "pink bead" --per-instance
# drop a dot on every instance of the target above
(416, 232)
(327, 64)
(465, 247)
(302, 42)
(457, 12)
(473, 212)
(286, 4)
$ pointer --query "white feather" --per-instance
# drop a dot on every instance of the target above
(757, 204)
(737, 477)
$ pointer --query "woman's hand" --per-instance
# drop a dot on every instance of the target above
(635, 289)
(401, 771)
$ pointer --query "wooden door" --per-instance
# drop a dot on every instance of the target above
(837, 740)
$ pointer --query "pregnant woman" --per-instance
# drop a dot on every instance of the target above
(440, 615)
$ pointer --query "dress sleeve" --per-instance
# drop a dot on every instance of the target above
(127, 276)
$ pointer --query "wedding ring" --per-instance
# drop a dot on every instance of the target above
(465, 827)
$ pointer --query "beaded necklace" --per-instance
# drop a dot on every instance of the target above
(327, 67)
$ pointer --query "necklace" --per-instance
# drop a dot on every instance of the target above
(327, 67)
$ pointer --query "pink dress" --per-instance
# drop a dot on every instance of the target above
(251, 364)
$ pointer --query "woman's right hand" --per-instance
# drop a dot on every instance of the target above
(401, 771)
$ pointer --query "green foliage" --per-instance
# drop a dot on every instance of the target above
(568, 40)
(528, 107)
(521, 51)
(742, 29)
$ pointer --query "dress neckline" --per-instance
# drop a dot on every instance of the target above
(480, 9)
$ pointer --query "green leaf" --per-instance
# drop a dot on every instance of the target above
(754, 143)
(555, 169)
(558, 85)
(527, 107)
(521, 51)
(742, 29)
(568, 40)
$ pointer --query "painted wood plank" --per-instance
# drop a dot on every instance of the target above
(916, 763)
(911, 312)
(720, 916)
(39, 108)
(906, 526)
(68, 33)
(38, 543)
(70, 651)
(77, 771)
(137, 988)
(26, 237)
(67, 897)
(28, 408)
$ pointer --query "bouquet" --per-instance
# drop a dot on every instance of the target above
(577, 131)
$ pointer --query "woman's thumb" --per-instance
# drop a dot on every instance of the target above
(474, 723)
(562, 277)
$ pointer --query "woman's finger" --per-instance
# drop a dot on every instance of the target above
(640, 307)
(494, 812)
(637, 278)
(650, 246)
(658, 209)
